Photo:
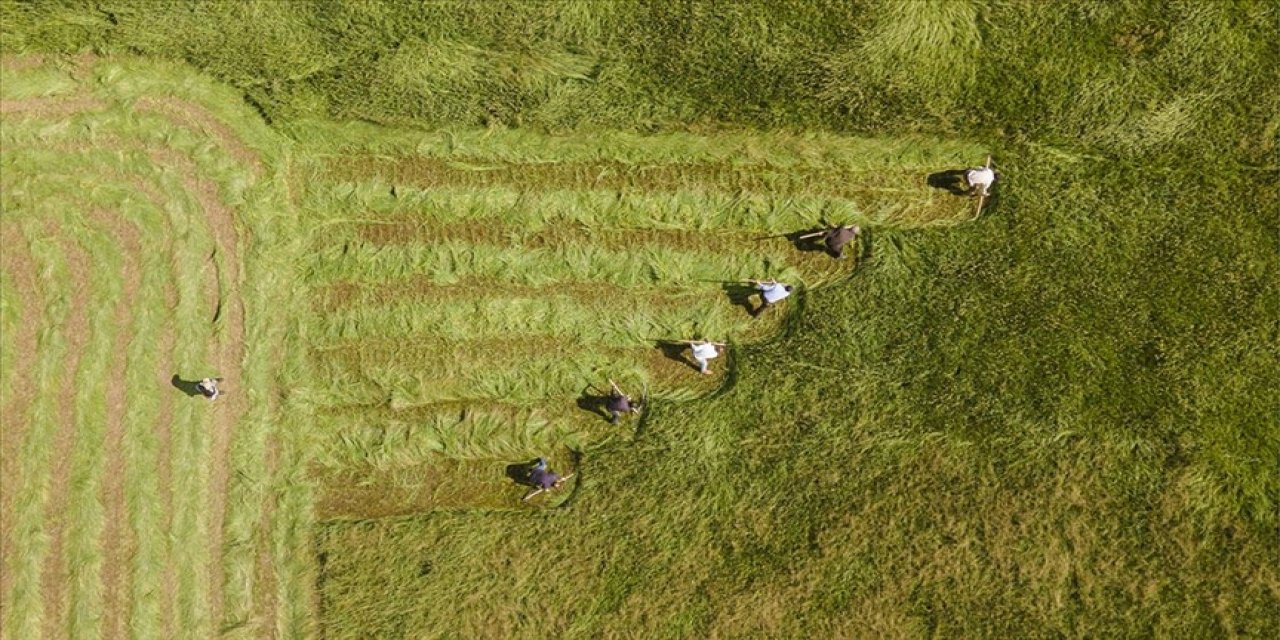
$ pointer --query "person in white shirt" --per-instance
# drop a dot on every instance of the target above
(980, 177)
(208, 387)
(703, 352)
(771, 292)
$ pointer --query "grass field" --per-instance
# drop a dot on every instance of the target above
(414, 238)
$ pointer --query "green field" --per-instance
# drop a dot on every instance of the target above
(417, 240)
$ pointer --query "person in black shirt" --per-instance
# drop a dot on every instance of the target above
(838, 237)
(618, 403)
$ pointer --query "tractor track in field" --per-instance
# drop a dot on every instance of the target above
(117, 538)
(19, 269)
(55, 574)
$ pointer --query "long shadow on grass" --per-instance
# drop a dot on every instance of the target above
(189, 387)
(952, 180)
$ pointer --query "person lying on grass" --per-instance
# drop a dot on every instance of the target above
(703, 352)
(771, 292)
(618, 403)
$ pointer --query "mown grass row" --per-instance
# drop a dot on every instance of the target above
(374, 198)
(82, 558)
(24, 612)
(115, 129)
(738, 148)
(432, 371)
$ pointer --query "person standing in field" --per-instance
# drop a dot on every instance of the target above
(703, 353)
(838, 237)
(208, 388)
(980, 178)
(771, 293)
(618, 403)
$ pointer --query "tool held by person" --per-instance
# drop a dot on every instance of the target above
(836, 238)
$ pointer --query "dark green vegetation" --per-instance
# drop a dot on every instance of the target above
(1058, 419)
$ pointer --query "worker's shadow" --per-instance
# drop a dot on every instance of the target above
(952, 180)
(812, 243)
(189, 387)
(592, 401)
(678, 351)
(740, 295)
(521, 472)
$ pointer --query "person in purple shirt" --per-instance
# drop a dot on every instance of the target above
(618, 403)
(543, 479)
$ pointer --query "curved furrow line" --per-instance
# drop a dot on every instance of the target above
(18, 267)
(194, 116)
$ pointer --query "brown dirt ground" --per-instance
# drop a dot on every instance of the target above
(117, 538)
(56, 574)
(18, 268)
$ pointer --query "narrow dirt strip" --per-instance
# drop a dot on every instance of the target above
(55, 575)
(117, 539)
(19, 269)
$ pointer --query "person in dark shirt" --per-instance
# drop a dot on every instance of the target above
(618, 403)
(838, 237)
(543, 479)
